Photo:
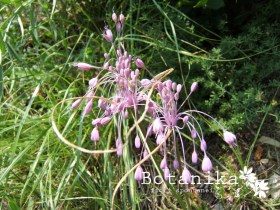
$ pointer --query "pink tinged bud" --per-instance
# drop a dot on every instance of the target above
(160, 138)
(186, 119)
(137, 142)
(93, 82)
(88, 107)
(194, 86)
(149, 130)
(122, 18)
(193, 133)
(176, 96)
(120, 150)
(137, 72)
(83, 66)
(106, 56)
(146, 153)
(106, 65)
(206, 164)
(111, 68)
(179, 88)
(163, 163)
(96, 121)
(169, 84)
(119, 52)
(108, 35)
(194, 157)
(160, 86)
(118, 27)
(166, 173)
(101, 104)
(174, 86)
(126, 114)
(76, 103)
(203, 145)
(127, 72)
(114, 17)
(229, 137)
(138, 173)
(175, 164)
(145, 82)
(186, 176)
(89, 96)
(105, 120)
(139, 63)
(157, 126)
(95, 135)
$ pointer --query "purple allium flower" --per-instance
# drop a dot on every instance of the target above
(83, 66)
(137, 142)
(194, 157)
(175, 164)
(194, 86)
(229, 137)
(157, 126)
(76, 103)
(186, 176)
(138, 173)
(108, 35)
(166, 173)
(206, 164)
(95, 135)
(203, 145)
(163, 163)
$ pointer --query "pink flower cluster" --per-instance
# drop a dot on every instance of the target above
(124, 92)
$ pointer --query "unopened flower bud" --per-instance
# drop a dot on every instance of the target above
(118, 27)
(186, 176)
(145, 82)
(174, 86)
(122, 18)
(166, 173)
(203, 145)
(206, 164)
(126, 114)
(83, 66)
(76, 103)
(96, 121)
(88, 107)
(139, 63)
(101, 104)
(160, 138)
(93, 82)
(179, 88)
(157, 126)
(138, 173)
(105, 120)
(106, 56)
(137, 142)
(194, 157)
(146, 153)
(114, 17)
(163, 163)
(94, 135)
(120, 150)
(194, 86)
(186, 119)
(108, 35)
(229, 137)
(175, 164)
(193, 133)
(106, 65)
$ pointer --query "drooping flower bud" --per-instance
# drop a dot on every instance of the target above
(120, 150)
(229, 137)
(138, 173)
(160, 138)
(139, 63)
(186, 176)
(194, 86)
(157, 125)
(122, 18)
(105, 120)
(194, 157)
(186, 119)
(114, 17)
(106, 56)
(108, 35)
(96, 121)
(145, 153)
(166, 173)
(94, 135)
(206, 164)
(76, 103)
(179, 88)
(175, 164)
(203, 145)
(163, 163)
(106, 65)
(101, 104)
(118, 27)
(88, 107)
(93, 82)
(193, 133)
(137, 142)
(145, 82)
(83, 66)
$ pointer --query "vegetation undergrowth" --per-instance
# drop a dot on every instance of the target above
(236, 66)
